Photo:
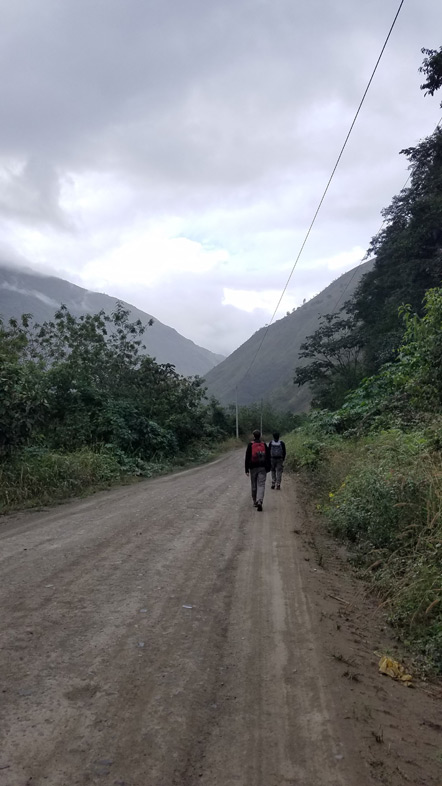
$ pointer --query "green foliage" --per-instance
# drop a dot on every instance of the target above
(39, 476)
(390, 507)
(407, 251)
(22, 400)
(408, 263)
(379, 496)
(407, 392)
(432, 68)
(377, 464)
(249, 419)
(420, 365)
(334, 367)
(377, 458)
(23, 403)
(383, 494)
(408, 255)
(308, 446)
(77, 387)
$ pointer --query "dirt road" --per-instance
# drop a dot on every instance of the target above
(168, 633)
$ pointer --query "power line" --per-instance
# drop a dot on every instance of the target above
(326, 188)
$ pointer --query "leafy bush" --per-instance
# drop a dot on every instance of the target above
(383, 494)
(79, 393)
(309, 445)
(305, 450)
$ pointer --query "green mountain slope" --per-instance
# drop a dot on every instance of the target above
(25, 292)
(271, 375)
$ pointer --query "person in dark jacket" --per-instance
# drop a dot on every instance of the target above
(257, 464)
(277, 458)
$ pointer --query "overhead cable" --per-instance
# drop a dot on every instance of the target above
(326, 188)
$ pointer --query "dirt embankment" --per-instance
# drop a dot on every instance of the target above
(168, 633)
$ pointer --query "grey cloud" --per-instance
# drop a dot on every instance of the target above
(11, 259)
(196, 96)
(193, 304)
(32, 192)
(194, 307)
(227, 114)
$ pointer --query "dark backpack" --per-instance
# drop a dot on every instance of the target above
(258, 454)
(276, 450)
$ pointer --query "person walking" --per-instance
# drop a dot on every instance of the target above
(277, 458)
(257, 464)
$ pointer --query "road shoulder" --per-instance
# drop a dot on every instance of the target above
(399, 728)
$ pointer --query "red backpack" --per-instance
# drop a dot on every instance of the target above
(258, 454)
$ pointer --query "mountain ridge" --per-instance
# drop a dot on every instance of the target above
(26, 291)
(270, 377)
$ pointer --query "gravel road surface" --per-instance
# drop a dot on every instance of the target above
(168, 633)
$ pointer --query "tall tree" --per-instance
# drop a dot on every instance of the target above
(408, 249)
(333, 354)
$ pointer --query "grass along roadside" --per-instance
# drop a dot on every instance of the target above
(38, 477)
(382, 494)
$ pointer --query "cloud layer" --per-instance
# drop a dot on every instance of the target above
(174, 153)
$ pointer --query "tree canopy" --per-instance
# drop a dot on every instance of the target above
(432, 68)
(334, 354)
(407, 254)
(84, 381)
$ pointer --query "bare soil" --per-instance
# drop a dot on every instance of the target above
(168, 633)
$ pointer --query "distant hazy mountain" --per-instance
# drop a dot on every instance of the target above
(24, 292)
(271, 375)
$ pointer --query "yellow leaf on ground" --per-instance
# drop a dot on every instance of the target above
(393, 669)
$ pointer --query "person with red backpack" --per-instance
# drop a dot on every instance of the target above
(257, 464)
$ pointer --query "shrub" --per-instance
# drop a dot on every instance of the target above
(383, 492)
(386, 499)
(308, 446)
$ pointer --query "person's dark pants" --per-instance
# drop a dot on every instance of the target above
(277, 466)
(258, 480)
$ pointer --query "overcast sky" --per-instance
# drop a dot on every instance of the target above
(173, 152)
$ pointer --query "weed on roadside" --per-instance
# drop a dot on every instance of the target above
(382, 493)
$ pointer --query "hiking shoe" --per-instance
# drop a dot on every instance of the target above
(278, 487)
(272, 486)
(259, 506)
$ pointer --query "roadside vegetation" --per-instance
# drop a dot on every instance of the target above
(82, 407)
(375, 467)
(372, 446)
(262, 415)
